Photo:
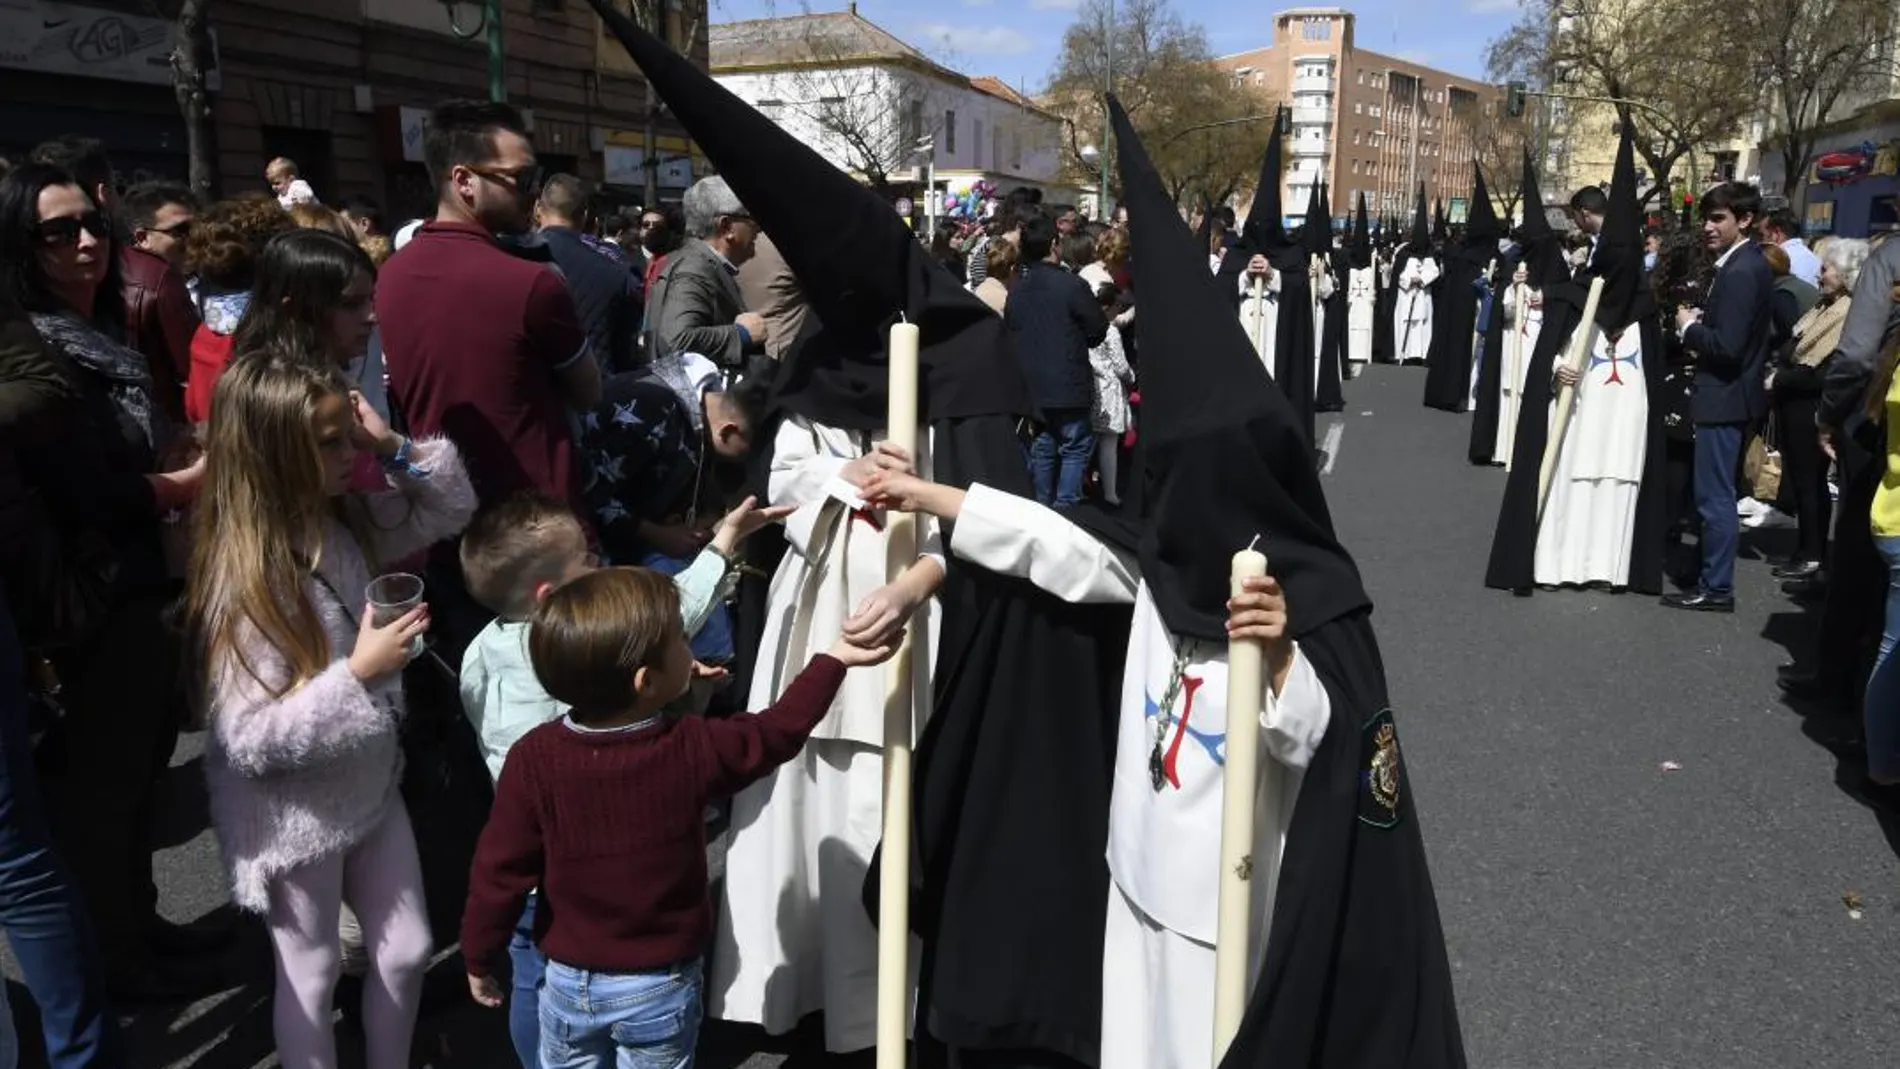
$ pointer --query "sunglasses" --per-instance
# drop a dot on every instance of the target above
(526, 181)
(180, 229)
(65, 229)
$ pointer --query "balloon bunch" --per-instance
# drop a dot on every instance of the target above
(971, 203)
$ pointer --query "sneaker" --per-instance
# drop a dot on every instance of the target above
(1748, 506)
(1769, 519)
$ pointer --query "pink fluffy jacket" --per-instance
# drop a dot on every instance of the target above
(297, 778)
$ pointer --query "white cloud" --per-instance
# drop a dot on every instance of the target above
(977, 40)
(1054, 5)
(1493, 7)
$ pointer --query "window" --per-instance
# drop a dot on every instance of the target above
(1362, 77)
(996, 147)
(1355, 137)
(1357, 109)
(976, 142)
(916, 120)
(1016, 149)
(950, 131)
(1315, 29)
(1355, 167)
(772, 109)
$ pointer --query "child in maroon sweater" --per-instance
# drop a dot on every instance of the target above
(603, 811)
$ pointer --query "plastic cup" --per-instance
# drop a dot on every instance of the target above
(393, 596)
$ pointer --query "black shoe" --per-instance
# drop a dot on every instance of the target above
(1802, 687)
(1810, 588)
(1698, 601)
(1806, 569)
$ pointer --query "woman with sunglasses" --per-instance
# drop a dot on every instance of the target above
(97, 474)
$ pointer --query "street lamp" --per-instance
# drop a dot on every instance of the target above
(490, 21)
(1093, 156)
(1108, 46)
(927, 146)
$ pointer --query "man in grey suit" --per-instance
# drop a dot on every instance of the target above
(696, 306)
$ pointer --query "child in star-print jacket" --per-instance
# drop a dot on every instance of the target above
(662, 449)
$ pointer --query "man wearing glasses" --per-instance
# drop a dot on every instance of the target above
(480, 345)
(160, 315)
(695, 305)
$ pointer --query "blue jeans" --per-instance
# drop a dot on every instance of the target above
(1883, 688)
(1718, 450)
(1059, 456)
(39, 907)
(713, 644)
(524, 1004)
(593, 1020)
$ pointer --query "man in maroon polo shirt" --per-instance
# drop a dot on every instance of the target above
(483, 346)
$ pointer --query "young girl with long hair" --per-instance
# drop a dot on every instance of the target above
(302, 687)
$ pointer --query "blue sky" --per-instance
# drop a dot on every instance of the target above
(1017, 40)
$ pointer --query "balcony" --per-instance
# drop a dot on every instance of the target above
(1312, 116)
(1309, 83)
(1318, 149)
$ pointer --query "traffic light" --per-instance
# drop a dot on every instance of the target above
(1514, 99)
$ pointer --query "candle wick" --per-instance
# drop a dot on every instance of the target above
(1254, 543)
(901, 318)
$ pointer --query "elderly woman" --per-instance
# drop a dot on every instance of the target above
(1797, 384)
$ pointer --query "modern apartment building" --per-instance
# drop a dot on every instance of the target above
(1364, 120)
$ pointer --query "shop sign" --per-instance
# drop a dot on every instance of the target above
(87, 42)
(626, 167)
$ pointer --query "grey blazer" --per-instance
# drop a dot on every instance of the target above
(692, 306)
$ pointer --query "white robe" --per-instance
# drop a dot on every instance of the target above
(1589, 519)
(793, 937)
(1260, 319)
(1520, 339)
(1323, 286)
(1361, 312)
(1412, 312)
(1164, 847)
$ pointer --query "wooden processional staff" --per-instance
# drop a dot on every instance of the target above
(1578, 356)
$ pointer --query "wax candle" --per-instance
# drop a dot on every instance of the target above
(1245, 692)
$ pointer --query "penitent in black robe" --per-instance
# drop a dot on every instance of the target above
(1356, 973)
(1328, 395)
(1513, 563)
(1385, 305)
(1454, 319)
(1484, 418)
(1293, 331)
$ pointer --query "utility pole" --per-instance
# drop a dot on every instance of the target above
(490, 21)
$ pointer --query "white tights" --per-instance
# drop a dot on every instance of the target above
(381, 879)
(1107, 459)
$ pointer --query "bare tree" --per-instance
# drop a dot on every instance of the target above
(678, 23)
(1497, 144)
(1175, 96)
(875, 117)
(1678, 58)
(1816, 62)
(191, 49)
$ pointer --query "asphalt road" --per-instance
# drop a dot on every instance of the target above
(1601, 911)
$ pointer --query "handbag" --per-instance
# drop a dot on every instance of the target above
(1761, 467)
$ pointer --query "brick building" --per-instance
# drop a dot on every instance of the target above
(1363, 120)
(340, 86)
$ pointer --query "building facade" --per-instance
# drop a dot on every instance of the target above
(340, 86)
(882, 111)
(1364, 121)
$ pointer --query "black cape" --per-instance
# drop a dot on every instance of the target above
(1454, 319)
(1293, 327)
(1328, 396)
(1484, 418)
(1356, 971)
(1385, 305)
(1514, 544)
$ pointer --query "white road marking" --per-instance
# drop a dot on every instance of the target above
(1331, 446)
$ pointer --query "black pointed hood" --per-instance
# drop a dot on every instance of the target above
(1619, 260)
(859, 266)
(1360, 245)
(1227, 458)
(1265, 230)
(1543, 258)
(1441, 232)
(1481, 223)
(1421, 238)
(1318, 229)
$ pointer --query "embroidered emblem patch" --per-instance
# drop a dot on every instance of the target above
(1381, 772)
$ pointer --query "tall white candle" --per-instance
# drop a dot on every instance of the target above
(893, 905)
(1245, 694)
